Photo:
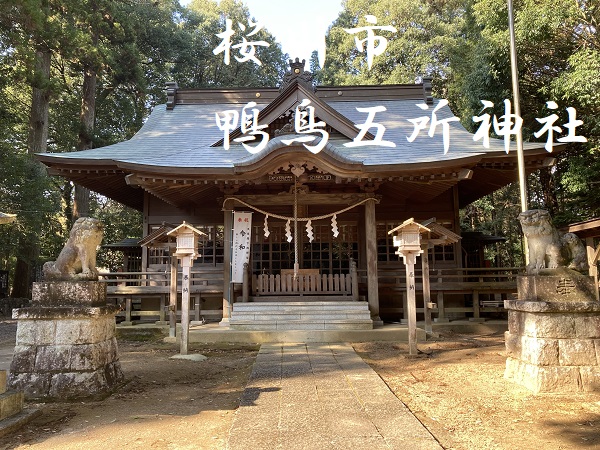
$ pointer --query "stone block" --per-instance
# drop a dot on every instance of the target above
(33, 385)
(568, 286)
(543, 379)
(555, 326)
(69, 332)
(558, 379)
(88, 357)
(35, 332)
(597, 347)
(84, 330)
(587, 326)
(113, 374)
(515, 322)
(3, 381)
(11, 403)
(539, 351)
(68, 293)
(577, 352)
(513, 344)
(23, 359)
(53, 358)
(112, 350)
(590, 378)
(77, 385)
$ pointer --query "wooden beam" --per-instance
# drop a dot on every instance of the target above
(303, 199)
(372, 281)
(227, 230)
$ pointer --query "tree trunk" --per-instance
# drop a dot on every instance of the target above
(81, 203)
(548, 185)
(37, 142)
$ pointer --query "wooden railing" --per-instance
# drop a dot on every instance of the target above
(136, 289)
(487, 287)
(307, 282)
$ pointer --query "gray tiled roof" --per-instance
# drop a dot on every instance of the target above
(182, 137)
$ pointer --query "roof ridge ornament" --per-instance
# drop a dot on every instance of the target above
(427, 88)
(298, 74)
(171, 89)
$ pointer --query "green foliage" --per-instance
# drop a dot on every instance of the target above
(134, 48)
(198, 67)
(120, 222)
(427, 31)
(465, 46)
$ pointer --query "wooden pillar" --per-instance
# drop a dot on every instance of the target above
(127, 312)
(173, 297)
(372, 283)
(186, 262)
(426, 287)
(409, 263)
(145, 232)
(440, 302)
(591, 251)
(476, 311)
(246, 283)
(228, 226)
(161, 311)
(354, 280)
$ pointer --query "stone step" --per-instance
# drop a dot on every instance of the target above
(308, 298)
(270, 325)
(300, 306)
(317, 315)
(11, 403)
(297, 315)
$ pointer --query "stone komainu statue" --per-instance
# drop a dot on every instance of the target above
(77, 260)
(548, 249)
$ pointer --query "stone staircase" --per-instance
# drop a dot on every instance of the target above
(12, 414)
(295, 315)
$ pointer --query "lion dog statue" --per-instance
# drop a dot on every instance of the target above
(549, 249)
(77, 260)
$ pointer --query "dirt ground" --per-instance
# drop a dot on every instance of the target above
(455, 387)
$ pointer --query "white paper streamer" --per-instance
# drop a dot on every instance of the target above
(334, 227)
(309, 231)
(266, 228)
(288, 231)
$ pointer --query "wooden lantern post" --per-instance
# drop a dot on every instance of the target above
(187, 251)
(408, 241)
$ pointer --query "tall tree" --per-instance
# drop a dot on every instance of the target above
(33, 39)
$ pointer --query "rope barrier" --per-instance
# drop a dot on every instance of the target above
(301, 219)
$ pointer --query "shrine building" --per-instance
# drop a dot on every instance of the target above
(340, 167)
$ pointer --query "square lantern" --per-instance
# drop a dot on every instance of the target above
(187, 240)
(408, 237)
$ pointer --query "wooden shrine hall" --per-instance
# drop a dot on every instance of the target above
(325, 171)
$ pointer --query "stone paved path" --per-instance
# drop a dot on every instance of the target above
(321, 396)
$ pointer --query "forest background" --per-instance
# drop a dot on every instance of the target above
(79, 74)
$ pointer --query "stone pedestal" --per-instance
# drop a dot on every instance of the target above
(553, 346)
(66, 347)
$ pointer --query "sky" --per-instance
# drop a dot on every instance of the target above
(299, 26)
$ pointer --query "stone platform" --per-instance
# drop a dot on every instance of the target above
(553, 346)
(63, 351)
